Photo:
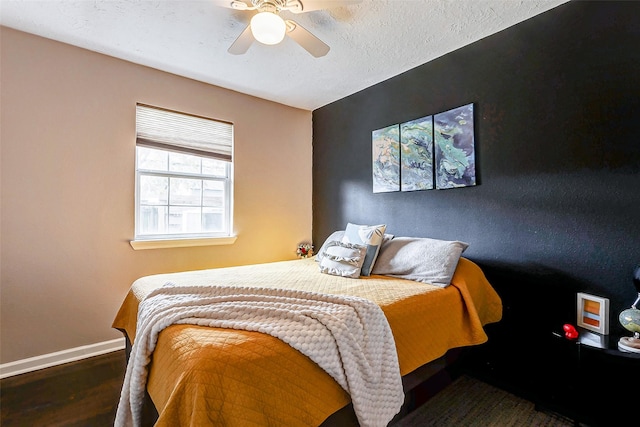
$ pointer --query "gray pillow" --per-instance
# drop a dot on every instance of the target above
(421, 259)
(343, 259)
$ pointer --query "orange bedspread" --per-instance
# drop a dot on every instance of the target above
(210, 376)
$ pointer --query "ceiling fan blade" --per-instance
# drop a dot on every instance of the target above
(234, 4)
(308, 41)
(300, 6)
(242, 43)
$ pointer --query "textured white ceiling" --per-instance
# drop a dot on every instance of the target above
(370, 41)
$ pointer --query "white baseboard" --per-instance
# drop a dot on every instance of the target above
(59, 357)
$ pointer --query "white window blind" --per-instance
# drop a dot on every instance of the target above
(173, 131)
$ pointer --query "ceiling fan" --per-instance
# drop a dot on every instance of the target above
(269, 28)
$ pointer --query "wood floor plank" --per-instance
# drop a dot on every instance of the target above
(83, 393)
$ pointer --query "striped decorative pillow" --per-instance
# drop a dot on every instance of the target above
(369, 235)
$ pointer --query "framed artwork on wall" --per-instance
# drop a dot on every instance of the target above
(385, 148)
(593, 313)
(455, 163)
(416, 154)
(435, 151)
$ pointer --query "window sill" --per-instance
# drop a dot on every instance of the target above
(181, 243)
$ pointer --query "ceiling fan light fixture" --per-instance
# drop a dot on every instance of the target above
(268, 28)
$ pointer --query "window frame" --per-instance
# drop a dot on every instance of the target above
(161, 240)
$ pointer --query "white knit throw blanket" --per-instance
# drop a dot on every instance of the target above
(348, 337)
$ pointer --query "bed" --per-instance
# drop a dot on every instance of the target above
(201, 375)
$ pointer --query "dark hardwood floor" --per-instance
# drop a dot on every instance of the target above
(78, 394)
(86, 394)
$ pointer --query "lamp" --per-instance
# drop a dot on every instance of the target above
(268, 28)
(630, 320)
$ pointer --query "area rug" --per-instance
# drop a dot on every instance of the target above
(470, 402)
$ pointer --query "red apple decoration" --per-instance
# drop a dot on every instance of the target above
(570, 331)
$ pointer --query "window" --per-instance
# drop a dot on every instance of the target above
(183, 175)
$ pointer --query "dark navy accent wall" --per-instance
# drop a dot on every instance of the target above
(557, 126)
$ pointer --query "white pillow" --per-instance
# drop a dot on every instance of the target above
(335, 236)
(343, 259)
(338, 235)
(421, 259)
(369, 235)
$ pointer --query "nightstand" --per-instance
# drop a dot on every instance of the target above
(591, 381)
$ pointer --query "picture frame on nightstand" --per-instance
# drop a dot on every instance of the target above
(593, 313)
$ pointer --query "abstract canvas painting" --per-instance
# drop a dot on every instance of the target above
(455, 164)
(386, 159)
(416, 156)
